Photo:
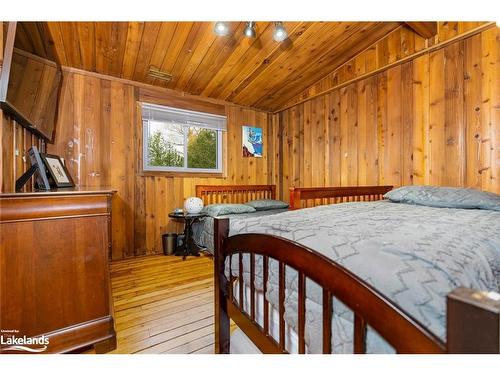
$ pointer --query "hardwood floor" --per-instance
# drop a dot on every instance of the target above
(163, 305)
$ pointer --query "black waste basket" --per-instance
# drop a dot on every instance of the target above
(169, 241)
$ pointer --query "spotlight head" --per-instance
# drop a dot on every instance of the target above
(249, 31)
(280, 33)
(221, 28)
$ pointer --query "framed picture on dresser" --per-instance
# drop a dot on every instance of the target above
(57, 170)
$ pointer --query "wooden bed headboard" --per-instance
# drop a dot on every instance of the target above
(211, 194)
(314, 196)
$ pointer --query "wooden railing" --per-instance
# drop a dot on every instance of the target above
(315, 196)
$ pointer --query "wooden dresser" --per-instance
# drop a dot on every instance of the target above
(54, 272)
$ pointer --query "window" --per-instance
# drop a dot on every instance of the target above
(177, 140)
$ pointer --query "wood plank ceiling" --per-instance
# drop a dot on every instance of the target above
(258, 72)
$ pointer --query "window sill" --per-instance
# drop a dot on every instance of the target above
(182, 174)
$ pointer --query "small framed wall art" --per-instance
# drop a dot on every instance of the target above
(252, 143)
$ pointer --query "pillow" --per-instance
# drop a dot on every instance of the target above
(448, 197)
(215, 210)
(267, 204)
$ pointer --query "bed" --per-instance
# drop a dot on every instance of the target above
(300, 281)
(203, 230)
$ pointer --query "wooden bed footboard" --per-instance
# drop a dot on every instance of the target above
(314, 196)
(473, 318)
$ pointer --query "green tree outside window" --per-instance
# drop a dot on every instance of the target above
(162, 153)
(202, 148)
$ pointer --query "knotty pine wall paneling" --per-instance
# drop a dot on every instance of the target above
(431, 120)
(400, 44)
(99, 133)
(489, 134)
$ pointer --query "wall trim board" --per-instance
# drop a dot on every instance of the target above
(426, 50)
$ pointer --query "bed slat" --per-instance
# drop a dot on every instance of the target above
(302, 312)
(230, 287)
(240, 280)
(359, 335)
(282, 306)
(327, 322)
(252, 286)
(266, 302)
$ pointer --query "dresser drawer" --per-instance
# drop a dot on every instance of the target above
(54, 271)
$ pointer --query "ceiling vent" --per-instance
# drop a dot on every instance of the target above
(154, 72)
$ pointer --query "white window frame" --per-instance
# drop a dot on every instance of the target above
(199, 115)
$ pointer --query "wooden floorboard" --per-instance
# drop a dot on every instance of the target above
(163, 305)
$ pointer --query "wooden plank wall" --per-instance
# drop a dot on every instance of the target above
(400, 44)
(432, 120)
(99, 134)
(15, 142)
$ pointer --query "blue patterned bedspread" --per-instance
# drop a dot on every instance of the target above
(414, 255)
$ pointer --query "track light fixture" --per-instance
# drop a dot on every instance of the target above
(280, 33)
(249, 31)
(221, 28)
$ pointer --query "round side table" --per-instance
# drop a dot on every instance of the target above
(188, 247)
